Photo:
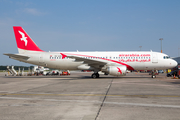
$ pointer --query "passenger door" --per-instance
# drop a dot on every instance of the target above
(154, 58)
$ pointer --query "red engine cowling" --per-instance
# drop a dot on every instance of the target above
(117, 70)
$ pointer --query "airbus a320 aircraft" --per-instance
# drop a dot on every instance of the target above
(112, 63)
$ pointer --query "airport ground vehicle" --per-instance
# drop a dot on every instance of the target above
(172, 73)
(160, 71)
(112, 63)
(179, 73)
(53, 72)
(65, 73)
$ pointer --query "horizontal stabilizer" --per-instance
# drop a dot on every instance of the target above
(17, 56)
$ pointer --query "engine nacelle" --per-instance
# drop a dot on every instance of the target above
(116, 70)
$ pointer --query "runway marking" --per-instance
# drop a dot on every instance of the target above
(144, 96)
(144, 105)
(145, 84)
(79, 101)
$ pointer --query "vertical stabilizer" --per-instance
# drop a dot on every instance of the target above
(24, 42)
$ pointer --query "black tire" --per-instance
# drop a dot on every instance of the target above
(153, 76)
(97, 75)
(94, 75)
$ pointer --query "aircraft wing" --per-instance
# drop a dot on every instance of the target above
(91, 62)
(18, 57)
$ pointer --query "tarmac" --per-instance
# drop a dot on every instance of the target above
(135, 96)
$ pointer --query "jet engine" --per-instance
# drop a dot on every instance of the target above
(116, 70)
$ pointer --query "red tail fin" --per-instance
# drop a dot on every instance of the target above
(23, 40)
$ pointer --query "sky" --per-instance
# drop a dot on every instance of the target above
(91, 25)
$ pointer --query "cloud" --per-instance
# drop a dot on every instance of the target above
(33, 11)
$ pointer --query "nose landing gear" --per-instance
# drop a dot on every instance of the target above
(154, 73)
(153, 76)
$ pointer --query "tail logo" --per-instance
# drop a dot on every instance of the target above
(23, 37)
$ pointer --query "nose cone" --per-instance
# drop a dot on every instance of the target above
(174, 63)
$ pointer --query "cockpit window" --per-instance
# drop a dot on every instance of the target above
(166, 57)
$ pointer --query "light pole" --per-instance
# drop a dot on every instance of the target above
(161, 43)
(178, 52)
(140, 47)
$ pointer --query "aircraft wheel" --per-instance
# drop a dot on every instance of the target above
(95, 75)
(153, 76)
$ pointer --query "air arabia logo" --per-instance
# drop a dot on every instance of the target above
(23, 37)
(119, 70)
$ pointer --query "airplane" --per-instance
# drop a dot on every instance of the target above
(115, 63)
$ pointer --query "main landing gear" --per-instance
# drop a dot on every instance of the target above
(95, 75)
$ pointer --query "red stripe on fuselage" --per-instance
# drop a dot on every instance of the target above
(128, 66)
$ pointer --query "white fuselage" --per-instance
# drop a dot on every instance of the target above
(132, 60)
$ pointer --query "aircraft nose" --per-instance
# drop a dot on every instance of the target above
(174, 63)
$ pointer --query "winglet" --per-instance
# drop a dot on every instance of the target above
(23, 40)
